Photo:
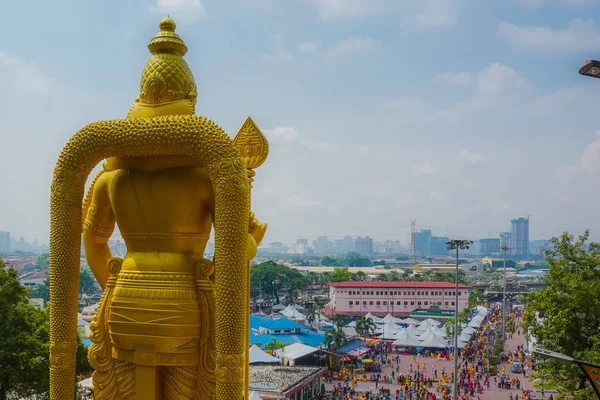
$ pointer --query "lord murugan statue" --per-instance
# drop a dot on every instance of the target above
(171, 324)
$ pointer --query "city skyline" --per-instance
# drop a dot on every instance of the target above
(367, 129)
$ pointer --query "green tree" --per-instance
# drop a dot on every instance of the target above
(270, 280)
(564, 316)
(335, 338)
(340, 275)
(379, 262)
(353, 259)
(364, 326)
(359, 276)
(475, 298)
(42, 261)
(24, 348)
(402, 257)
(330, 262)
(41, 291)
(274, 344)
(87, 284)
(340, 320)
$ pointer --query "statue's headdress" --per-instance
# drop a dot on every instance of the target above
(167, 86)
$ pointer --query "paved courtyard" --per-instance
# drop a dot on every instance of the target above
(406, 360)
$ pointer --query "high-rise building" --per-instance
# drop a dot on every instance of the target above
(364, 246)
(344, 246)
(488, 246)
(323, 245)
(4, 241)
(301, 246)
(520, 236)
(505, 239)
(438, 246)
(422, 242)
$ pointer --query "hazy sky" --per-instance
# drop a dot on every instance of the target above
(460, 114)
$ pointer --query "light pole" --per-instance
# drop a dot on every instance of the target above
(505, 248)
(456, 245)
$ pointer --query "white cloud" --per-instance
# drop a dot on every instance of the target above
(279, 52)
(455, 78)
(471, 158)
(27, 80)
(310, 47)
(426, 169)
(406, 104)
(349, 46)
(588, 162)
(182, 9)
(579, 36)
(291, 135)
(496, 85)
(420, 13)
(288, 134)
(433, 13)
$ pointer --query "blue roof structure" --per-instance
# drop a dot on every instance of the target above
(86, 342)
(351, 345)
(308, 338)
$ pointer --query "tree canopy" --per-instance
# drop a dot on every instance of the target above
(564, 316)
(24, 348)
(269, 280)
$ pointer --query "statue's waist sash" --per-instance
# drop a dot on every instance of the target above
(155, 318)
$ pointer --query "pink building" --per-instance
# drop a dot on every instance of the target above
(396, 298)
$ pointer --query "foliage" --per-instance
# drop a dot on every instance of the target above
(499, 264)
(41, 291)
(365, 326)
(88, 284)
(269, 279)
(42, 261)
(402, 257)
(274, 344)
(331, 262)
(340, 275)
(335, 337)
(564, 316)
(340, 320)
(475, 298)
(353, 259)
(359, 276)
(379, 262)
(24, 348)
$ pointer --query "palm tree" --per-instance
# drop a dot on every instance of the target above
(449, 327)
(274, 344)
(340, 320)
(335, 337)
(359, 276)
(312, 315)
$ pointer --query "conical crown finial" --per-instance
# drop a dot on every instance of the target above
(167, 41)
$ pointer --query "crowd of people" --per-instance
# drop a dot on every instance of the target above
(419, 379)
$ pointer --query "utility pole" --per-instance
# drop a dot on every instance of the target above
(456, 245)
(505, 248)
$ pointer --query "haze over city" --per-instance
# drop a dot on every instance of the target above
(461, 115)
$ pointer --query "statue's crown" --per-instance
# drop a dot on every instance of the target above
(167, 86)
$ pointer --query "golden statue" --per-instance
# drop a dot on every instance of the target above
(171, 324)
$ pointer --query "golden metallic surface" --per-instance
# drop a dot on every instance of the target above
(253, 146)
(170, 324)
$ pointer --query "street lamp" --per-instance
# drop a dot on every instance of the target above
(456, 245)
(505, 248)
(590, 68)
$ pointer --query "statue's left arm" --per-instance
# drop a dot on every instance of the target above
(97, 229)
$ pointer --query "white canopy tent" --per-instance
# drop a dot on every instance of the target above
(441, 332)
(375, 319)
(469, 330)
(409, 321)
(413, 331)
(404, 338)
(86, 383)
(475, 322)
(434, 341)
(430, 333)
(429, 322)
(259, 356)
(389, 331)
(464, 337)
(293, 314)
(294, 351)
(254, 396)
(391, 318)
